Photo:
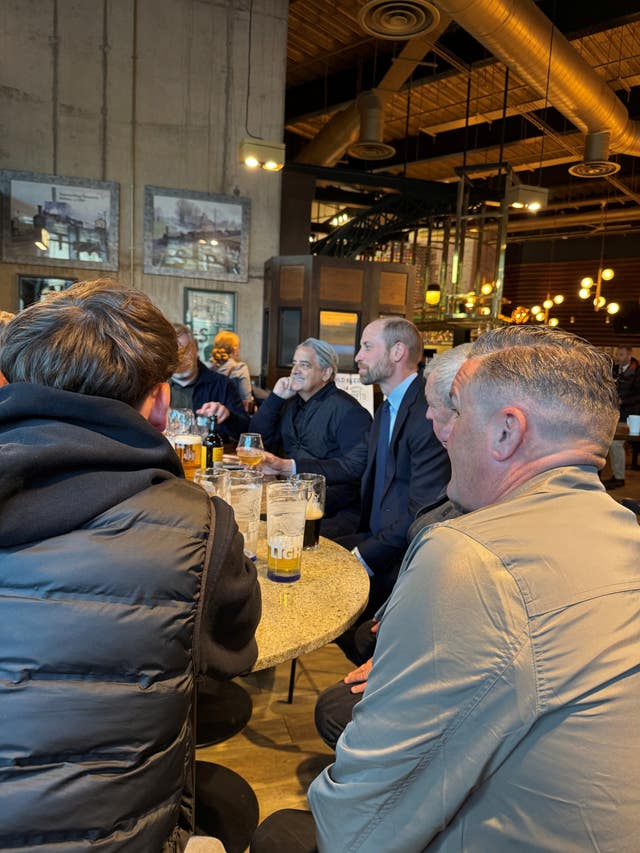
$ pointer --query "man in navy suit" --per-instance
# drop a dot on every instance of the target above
(402, 464)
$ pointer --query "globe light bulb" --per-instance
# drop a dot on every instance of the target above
(540, 316)
(607, 274)
(586, 282)
(553, 321)
(584, 293)
(536, 310)
(548, 303)
(486, 289)
(559, 299)
(613, 308)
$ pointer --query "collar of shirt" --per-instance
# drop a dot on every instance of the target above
(395, 400)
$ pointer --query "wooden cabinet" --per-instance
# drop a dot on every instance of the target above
(330, 298)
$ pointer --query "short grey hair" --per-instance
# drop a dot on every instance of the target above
(443, 368)
(327, 356)
(566, 380)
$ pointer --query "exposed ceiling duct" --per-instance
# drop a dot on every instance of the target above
(521, 36)
(370, 145)
(341, 131)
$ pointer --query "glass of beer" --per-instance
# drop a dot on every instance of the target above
(286, 514)
(189, 451)
(250, 450)
(315, 508)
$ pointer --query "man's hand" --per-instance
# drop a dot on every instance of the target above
(283, 388)
(358, 677)
(275, 465)
(214, 409)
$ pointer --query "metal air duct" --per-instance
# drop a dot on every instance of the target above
(370, 145)
(521, 36)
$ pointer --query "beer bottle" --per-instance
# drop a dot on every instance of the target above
(213, 444)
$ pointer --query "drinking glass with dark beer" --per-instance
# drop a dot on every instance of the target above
(315, 508)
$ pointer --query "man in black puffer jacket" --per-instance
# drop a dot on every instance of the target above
(120, 582)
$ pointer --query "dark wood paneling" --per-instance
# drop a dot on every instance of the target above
(341, 284)
(528, 284)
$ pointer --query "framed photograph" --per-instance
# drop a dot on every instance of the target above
(196, 234)
(341, 329)
(48, 219)
(36, 288)
(207, 312)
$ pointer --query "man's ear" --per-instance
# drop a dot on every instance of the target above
(508, 428)
(3, 379)
(156, 406)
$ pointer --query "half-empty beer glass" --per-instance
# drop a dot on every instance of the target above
(286, 513)
(315, 508)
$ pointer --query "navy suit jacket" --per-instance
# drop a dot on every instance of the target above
(417, 473)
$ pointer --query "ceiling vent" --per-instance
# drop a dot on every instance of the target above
(594, 169)
(398, 19)
(370, 145)
(596, 162)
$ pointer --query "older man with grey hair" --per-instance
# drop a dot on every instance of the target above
(501, 710)
(306, 415)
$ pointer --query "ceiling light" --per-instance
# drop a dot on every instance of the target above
(524, 196)
(267, 155)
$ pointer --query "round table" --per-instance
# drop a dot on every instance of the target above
(296, 618)
(304, 615)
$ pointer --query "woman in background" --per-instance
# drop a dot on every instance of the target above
(224, 359)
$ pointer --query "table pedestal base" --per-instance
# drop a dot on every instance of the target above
(226, 806)
(223, 709)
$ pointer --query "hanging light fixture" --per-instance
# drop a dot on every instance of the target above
(590, 289)
(432, 294)
(541, 312)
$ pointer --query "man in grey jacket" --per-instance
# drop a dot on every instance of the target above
(120, 582)
(500, 713)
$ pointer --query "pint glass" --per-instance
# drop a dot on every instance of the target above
(286, 512)
(315, 508)
(189, 450)
(246, 497)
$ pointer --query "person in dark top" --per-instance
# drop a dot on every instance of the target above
(306, 415)
(194, 386)
(120, 582)
(627, 376)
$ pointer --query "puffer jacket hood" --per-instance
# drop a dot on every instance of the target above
(50, 439)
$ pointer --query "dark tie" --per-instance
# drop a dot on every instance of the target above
(381, 465)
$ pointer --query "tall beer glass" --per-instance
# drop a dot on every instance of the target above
(286, 511)
(315, 508)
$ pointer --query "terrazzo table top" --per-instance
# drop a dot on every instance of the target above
(302, 616)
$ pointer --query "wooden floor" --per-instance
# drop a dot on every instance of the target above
(279, 752)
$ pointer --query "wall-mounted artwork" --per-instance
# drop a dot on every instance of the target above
(49, 219)
(196, 234)
(36, 288)
(208, 312)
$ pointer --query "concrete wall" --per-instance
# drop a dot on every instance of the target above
(147, 92)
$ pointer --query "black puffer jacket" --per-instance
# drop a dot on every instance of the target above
(102, 567)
